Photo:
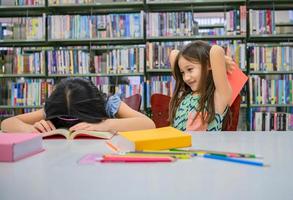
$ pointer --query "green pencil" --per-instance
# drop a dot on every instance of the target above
(218, 153)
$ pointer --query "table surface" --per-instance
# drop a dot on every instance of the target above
(56, 174)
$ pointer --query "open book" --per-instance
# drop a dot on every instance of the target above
(80, 134)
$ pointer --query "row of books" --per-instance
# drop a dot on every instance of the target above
(186, 23)
(72, 2)
(157, 53)
(21, 2)
(95, 26)
(72, 61)
(119, 61)
(269, 121)
(27, 92)
(22, 28)
(17, 61)
(270, 58)
(265, 21)
(236, 21)
(5, 113)
(271, 90)
(131, 25)
(116, 61)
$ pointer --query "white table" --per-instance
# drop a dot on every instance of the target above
(55, 174)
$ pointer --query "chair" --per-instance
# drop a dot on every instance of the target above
(133, 101)
(232, 123)
(160, 109)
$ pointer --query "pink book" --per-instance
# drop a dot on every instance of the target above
(16, 146)
(237, 80)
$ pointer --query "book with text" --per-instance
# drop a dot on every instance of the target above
(80, 134)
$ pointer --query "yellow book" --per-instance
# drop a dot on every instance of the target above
(151, 139)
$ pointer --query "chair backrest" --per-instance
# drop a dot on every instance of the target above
(160, 109)
(234, 109)
(133, 101)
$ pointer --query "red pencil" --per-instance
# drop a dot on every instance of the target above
(117, 158)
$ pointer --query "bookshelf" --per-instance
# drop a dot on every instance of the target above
(143, 31)
(270, 65)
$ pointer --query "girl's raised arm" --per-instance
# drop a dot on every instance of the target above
(172, 58)
(223, 91)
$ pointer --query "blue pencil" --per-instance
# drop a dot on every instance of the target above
(236, 160)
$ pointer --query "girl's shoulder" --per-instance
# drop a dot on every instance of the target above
(112, 105)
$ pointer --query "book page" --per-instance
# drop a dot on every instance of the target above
(91, 135)
(57, 133)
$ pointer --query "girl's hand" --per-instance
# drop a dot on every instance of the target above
(230, 64)
(172, 58)
(44, 126)
(102, 126)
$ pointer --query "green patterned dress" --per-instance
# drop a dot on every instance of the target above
(188, 105)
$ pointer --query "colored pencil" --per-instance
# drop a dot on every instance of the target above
(218, 153)
(178, 156)
(235, 160)
(117, 158)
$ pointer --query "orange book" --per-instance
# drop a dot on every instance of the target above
(237, 80)
(151, 139)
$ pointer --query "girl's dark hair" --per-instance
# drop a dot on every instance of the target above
(76, 98)
(197, 51)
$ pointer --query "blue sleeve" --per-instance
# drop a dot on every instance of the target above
(113, 105)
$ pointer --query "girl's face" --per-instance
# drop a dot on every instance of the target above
(191, 73)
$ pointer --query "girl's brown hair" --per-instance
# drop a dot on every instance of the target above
(197, 51)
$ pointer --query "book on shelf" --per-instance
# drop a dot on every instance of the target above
(80, 134)
(16, 146)
(150, 139)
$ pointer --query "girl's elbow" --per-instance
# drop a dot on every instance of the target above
(150, 124)
(4, 125)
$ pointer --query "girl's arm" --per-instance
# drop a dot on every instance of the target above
(128, 120)
(223, 92)
(28, 122)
